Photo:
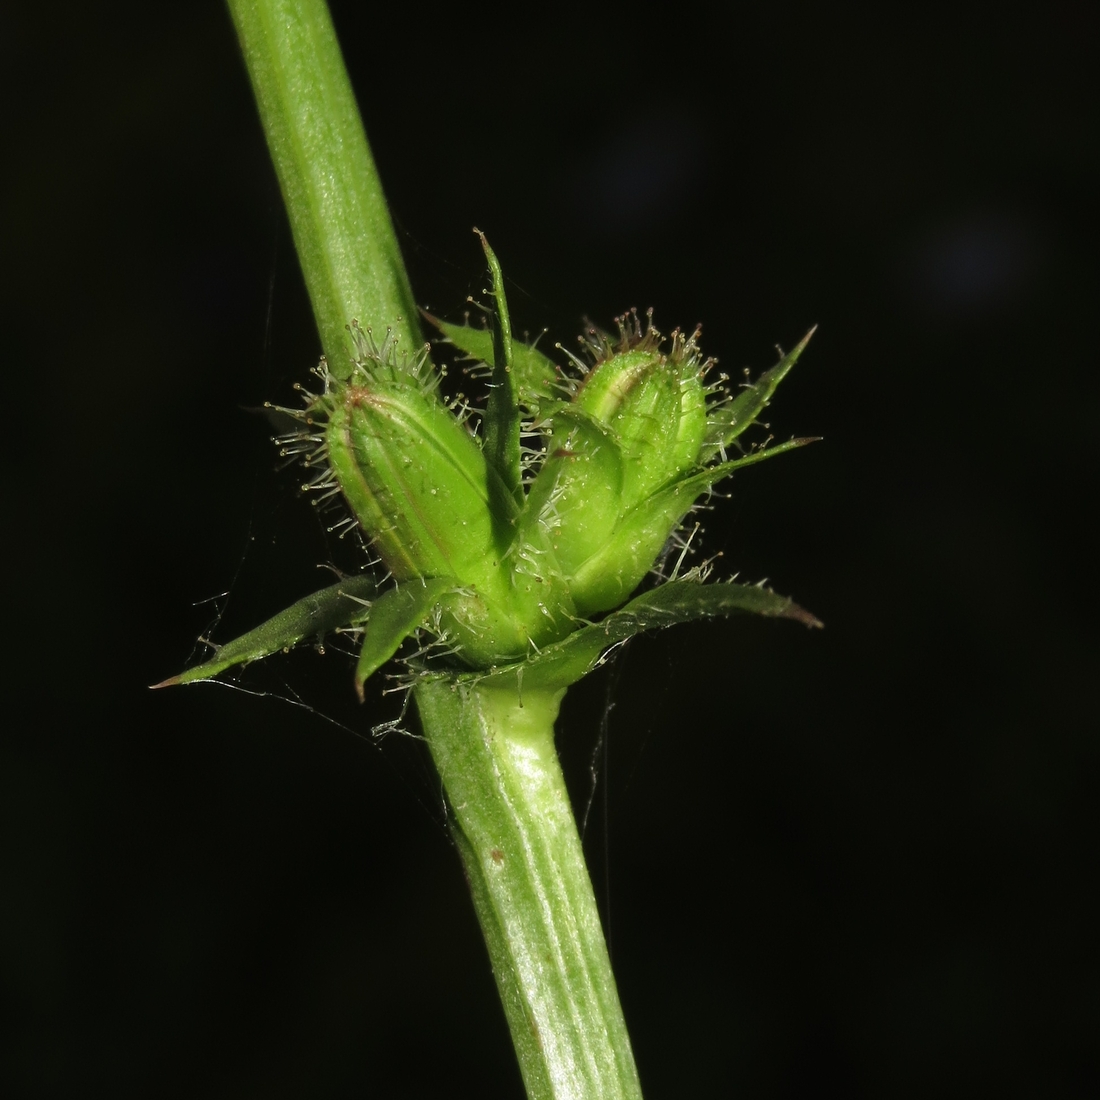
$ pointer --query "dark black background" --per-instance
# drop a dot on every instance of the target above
(850, 862)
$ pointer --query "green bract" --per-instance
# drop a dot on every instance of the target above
(505, 552)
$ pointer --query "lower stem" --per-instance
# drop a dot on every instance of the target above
(515, 830)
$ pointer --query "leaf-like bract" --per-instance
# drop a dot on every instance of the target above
(677, 601)
(346, 603)
(393, 617)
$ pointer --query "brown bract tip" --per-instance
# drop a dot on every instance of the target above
(801, 615)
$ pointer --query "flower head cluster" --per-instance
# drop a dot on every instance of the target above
(506, 535)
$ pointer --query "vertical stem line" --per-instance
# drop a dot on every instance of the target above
(338, 214)
(494, 751)
(518, 839)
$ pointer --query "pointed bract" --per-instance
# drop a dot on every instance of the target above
(677, 601)
(727, 420)
(346, 603)
(394, 616)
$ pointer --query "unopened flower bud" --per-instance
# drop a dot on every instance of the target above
(635, 427)
(419, 485)
(415, 479)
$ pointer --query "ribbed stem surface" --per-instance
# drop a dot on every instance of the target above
(518, 839)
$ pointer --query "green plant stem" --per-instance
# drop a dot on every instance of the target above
(338, 214)
(515, 830)
(495, 753)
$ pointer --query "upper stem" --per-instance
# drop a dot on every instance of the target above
(338, 214)
(515, 830)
